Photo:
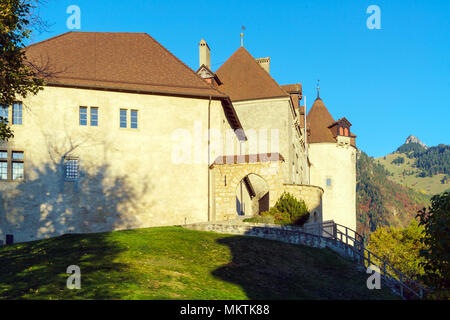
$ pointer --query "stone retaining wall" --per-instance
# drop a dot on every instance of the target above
(288, 234)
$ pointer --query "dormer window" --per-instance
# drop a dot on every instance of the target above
(343, 131)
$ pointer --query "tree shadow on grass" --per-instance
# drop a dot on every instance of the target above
(37, 270)
(47, 205)
(267, 269)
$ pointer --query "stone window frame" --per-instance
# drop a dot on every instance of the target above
(9, 160)
(130, 120)
(11, 117)
(66, 160)
(88, 116)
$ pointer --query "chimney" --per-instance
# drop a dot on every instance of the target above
(204, 54)
(264, 63)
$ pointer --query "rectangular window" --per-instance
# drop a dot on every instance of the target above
(94, 116)
(71, 169)
(4, 113)
(17, 155)
(328, 182)
(12, 165)
(134, 119)
(17, 170)
(3, 170)
(123, 118)
(17, 113)
(83, 116)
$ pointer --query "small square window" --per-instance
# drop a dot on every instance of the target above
(83, 116)
(134, 119)
(123, 118)
(17, 155)
(94, 116)
(71, 169)
(17, 113)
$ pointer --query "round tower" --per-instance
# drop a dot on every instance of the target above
(332, 157)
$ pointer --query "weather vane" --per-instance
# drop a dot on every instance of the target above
(242, 35)
(318, 88)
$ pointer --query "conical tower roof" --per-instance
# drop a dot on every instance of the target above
(318, 120)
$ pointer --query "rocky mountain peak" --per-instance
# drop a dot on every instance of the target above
(414, 139)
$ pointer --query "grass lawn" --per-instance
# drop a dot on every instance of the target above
(175, 263)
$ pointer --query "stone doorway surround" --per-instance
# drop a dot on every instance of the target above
(228, 171)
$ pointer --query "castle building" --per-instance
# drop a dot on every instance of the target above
(332, 154)
(125, 135)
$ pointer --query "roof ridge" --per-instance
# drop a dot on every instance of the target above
(144, 83)
(49, 39)
(268, 74)
(190, 70)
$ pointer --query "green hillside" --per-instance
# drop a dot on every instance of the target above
(380, 200)
(175, 263)
(425, 170)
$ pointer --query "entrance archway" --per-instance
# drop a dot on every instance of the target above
(252, 195)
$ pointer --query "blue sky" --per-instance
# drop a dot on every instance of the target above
(389, 83)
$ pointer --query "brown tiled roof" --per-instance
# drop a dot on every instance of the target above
(244, 79)
(343, 119)
(292, 88)
(302, 116)
(117, 61)
(249, 158)
(318, 121)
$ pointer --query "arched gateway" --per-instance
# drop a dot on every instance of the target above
(250, 184)
(252, 195)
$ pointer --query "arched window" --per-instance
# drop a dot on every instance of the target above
(346, 132)
(341, 131)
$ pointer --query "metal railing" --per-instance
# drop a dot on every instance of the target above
(403, 285)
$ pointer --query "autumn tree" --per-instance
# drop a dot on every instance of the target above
(18, 78)
(400, 247)
(436, 223)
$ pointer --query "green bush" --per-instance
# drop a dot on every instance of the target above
(297, 209)
(287, 210)
(281, 217)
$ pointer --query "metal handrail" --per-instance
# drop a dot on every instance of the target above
(360, 250)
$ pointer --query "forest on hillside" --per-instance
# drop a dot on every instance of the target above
(430, 161)
(380, 201)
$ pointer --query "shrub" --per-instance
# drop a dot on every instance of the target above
(287, 210)
(296, 209)
(281, 217)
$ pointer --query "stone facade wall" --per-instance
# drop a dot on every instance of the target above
(228, 176)
(128, 177)
(312, 196)
(337, 162)
(260, 118)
